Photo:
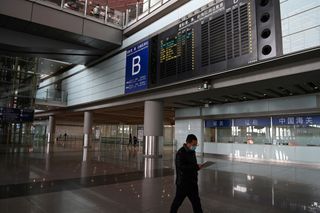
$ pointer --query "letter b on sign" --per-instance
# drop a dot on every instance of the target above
(136, 66)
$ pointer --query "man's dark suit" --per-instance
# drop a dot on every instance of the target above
(187, 180)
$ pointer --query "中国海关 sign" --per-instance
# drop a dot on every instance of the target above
(297, 120)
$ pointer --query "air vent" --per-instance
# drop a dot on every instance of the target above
(265, 17)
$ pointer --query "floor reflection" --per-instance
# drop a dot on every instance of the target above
(121, 175)
(85, 154)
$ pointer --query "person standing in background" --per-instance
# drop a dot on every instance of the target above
(130, 140)
(135, 141)
(65, 136)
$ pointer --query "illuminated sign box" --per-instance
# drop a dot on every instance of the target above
(217, 123)
(296, 120)
(13, 115)
(252, 122)
(137, 68)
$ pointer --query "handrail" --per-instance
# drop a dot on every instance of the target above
(53, 95)
(105, 14)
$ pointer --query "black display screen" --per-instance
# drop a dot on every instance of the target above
(177, 53)
(216, 38)
(13, 115)
(26, 115)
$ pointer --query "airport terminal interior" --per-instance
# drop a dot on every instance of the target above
(98, 96)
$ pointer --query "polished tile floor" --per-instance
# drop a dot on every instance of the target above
(118, 179)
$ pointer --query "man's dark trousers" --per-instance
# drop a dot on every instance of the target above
(187, 190)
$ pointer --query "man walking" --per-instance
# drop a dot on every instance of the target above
(187, 176)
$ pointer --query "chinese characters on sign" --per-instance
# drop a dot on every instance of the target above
(137, 68)
(13, 115)
(252, 122)
(276, 121)
(296, 120)
(217, 123)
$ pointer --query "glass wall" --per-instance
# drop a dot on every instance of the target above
(39, 132)
(18, 81)
(168, 135)
(285, 130)
(300, 24)
(250, 134)
(120, 134)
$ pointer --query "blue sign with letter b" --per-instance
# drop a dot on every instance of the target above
(137, 68)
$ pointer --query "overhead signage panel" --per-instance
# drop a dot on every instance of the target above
(137, 68)
(252, 122)
(13, 115)
(218, 123)
(296, 120)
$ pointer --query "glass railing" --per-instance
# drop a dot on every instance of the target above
(101, 12)
(74, 5)
(115, 17)
(136, 12)
(95, 9)
(50, 95)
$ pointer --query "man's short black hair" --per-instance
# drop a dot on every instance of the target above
(190, 138)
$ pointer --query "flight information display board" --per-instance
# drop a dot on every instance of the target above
(177, 53)
(14, 115)
(213, 39)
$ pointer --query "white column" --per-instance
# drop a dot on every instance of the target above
(51, 129)
(153, 128)
(87, 128)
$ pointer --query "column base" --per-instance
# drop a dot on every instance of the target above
(85, 140)
(153, 146)
(150, 167)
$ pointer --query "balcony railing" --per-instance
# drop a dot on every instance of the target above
(136, 12)
(102, 13)
(99, 12)
(51, 95)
